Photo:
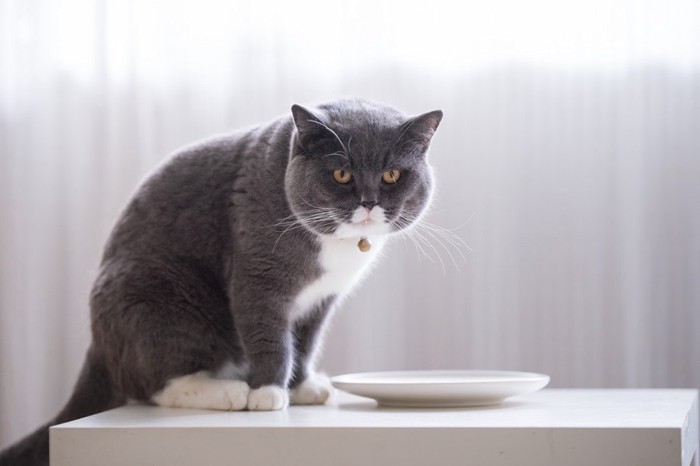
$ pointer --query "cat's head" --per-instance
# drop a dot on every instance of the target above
(359, 169)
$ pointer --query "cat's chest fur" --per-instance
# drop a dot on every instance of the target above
(343, 265)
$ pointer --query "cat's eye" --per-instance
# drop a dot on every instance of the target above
(342, 176)
(391, 176)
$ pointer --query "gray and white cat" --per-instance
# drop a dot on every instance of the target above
(221, 273)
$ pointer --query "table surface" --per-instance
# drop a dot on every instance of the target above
(673, 413)
(546, 408)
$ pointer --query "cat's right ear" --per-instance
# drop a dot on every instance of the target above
(310, 127)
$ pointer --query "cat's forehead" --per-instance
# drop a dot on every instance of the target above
(359, 116)
(369, 131)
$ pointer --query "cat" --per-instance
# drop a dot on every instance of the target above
(219, 277)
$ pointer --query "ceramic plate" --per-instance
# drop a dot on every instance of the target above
(440, 388)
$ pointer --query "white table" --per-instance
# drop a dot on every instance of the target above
(551, 427)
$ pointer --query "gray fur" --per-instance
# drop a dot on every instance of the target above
(208, 256)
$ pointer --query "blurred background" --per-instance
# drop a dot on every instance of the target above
(568, 161)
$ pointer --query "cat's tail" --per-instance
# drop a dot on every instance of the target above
(92, 394)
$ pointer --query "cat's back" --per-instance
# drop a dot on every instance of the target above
(185, 207)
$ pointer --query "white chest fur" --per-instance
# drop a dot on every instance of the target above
(343, 266)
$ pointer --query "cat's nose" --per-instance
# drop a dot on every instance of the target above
(368, 204)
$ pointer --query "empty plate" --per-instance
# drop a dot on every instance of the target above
(440, 388)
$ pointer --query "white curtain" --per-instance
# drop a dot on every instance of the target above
(568, 161)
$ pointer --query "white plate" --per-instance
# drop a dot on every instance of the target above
(440, 388)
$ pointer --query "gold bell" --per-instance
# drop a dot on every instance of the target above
(364, 245)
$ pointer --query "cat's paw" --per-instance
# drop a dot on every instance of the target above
(199, 391)
(315, 390)
(236, 394)
(268, 398)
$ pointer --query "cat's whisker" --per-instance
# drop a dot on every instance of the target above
(288, 218)
(324, 219)
(338, 153)
(453, 240)
(310, 204)
(457, 243)
(283, 225)
(447, 233)
(466, 222)
(329, 210)
(293, 218)
(408, 239)
(418, 247)
(419, 239)
(447, 250)
(321, 219)
(313, 219)
(400, 223)
(427, 234)
(427, 243)
(280, 237)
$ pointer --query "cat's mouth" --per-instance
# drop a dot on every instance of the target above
(365, 216)
(364, 222)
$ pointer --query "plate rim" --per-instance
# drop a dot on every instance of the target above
(520, 376)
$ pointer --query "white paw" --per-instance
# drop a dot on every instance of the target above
(268, 398)
(315, 390)
(200, 391)
(236, 394)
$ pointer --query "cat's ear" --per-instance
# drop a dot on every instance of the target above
(310, 126)
(418, 131)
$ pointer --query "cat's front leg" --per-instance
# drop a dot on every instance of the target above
(308, 386)
(265, 334)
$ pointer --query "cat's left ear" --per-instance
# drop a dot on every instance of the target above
(420, 130)
(310, 126)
